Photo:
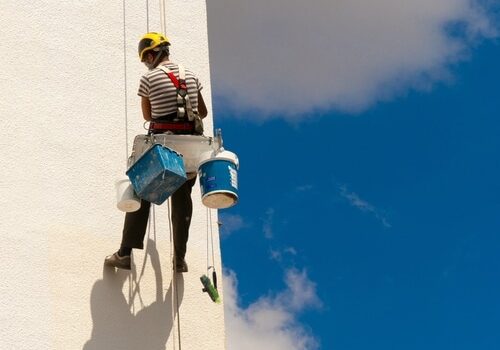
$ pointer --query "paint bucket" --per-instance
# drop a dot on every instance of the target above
(157, 174)
(126, 199)
(219, 179)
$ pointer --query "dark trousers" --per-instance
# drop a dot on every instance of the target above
(136, 222)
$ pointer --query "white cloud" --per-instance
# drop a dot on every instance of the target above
(356, 201)
(289, 57)
(271, 322)
(290, 250)
(304, 188)
(230, 223)
(276, 255)
(267, 226)
(279, 254)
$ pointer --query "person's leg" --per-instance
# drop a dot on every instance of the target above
(134, 230)
(182, 209)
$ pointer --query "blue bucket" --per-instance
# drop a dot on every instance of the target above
(219, 180)
(157, 174)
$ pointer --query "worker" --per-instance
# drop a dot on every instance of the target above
(160, 106)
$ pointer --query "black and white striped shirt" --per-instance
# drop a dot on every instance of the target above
(157, 86)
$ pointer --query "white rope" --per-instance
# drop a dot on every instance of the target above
(147, 16)
(178, 316)
(175, 295)
(125, 80)
(163, 17)
(171, 260)
(137, 284)
(210, 239)
(175, 291)
(208, 224)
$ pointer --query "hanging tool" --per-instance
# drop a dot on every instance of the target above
(211, 288)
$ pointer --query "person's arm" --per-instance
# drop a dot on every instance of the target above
(146, 108)
(202, 108)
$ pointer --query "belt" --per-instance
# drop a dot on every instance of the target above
(157, 126)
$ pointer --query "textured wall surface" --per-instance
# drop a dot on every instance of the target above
(63, 145)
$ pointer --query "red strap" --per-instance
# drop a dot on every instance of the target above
(174, 79)
(176, 83)
(170, 126)
(179, 85)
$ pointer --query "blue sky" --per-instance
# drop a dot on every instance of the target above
(371, 224)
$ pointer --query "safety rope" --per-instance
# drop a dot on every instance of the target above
(125, 79)
(210, 238)
(135, 285)
(208, 263)
(152, 217)
(147, 16)
(130, 281)
(163, 17)
(175, 294)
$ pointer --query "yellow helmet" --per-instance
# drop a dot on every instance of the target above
(152, 41)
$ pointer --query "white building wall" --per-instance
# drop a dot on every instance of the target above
(62, 139)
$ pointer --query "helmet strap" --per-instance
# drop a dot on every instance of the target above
(156, 60)
(161, 54)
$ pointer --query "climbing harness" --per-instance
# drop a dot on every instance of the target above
(180, 85)
(163, 126)
(184, 106)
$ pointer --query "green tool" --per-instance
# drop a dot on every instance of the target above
(210, 288)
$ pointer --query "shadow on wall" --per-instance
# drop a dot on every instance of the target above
(115, 326)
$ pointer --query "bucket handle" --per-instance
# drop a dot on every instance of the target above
(218, 136)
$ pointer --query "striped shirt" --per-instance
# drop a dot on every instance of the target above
(162, 94)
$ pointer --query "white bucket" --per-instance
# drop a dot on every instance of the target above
(126, 199)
